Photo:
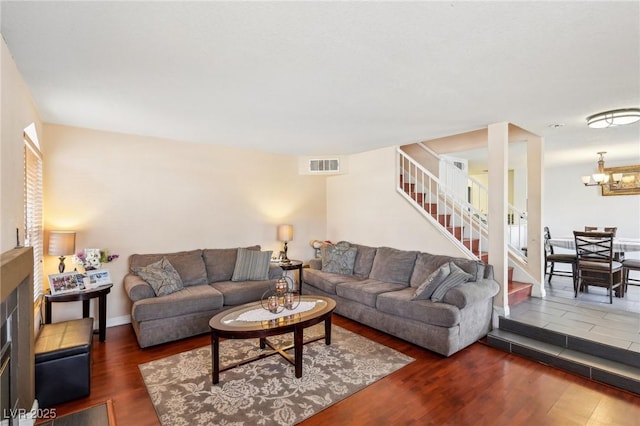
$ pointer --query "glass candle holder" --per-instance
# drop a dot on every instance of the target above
(288, 300)
(281, 286)
(272, 304)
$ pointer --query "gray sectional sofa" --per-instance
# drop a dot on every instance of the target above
(380, 291)
(207, 288)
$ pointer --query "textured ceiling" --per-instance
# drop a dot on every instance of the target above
(312, 78)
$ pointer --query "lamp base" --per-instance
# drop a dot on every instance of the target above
(61, 265)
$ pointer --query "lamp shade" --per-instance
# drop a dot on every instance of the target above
(62, 243)
(285, 232)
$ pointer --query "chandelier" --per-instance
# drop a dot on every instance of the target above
(616, 117)
(602, 177)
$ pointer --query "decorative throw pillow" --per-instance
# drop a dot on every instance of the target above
(251, 265)
(339, 258)
(433, 281)
(455, 278)
(161, 276)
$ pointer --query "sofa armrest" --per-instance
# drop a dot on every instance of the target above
(469, 293)
(275, 272)
(315, 264)
(137, 288)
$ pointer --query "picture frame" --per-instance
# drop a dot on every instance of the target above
(67, 282)
(98, 277)
(629, 185)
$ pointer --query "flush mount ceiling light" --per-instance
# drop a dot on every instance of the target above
(616, 117)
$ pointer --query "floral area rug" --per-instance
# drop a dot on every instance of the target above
(266, 391)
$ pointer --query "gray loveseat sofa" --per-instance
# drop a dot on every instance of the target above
(208, 288)
(380, 292)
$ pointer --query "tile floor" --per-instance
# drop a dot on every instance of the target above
(589, 315)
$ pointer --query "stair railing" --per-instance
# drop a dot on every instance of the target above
(516, 218)
(463, 223)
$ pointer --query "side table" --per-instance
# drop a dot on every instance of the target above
(293, 265)
(85, 296)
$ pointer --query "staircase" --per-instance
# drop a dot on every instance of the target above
(464, 224)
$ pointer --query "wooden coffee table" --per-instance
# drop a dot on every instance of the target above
(227, 325)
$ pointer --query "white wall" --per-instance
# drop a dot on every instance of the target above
(569, 205)
(17, 111)
(133, 194)
(363, 207)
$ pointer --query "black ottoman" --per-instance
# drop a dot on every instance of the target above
(63, 361)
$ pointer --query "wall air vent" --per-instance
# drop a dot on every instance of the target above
(329, 165)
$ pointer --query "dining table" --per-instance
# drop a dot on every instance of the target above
(619, 244)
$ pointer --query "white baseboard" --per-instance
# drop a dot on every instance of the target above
(121, 320)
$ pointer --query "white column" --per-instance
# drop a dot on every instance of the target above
(535, 239)
(498, 141)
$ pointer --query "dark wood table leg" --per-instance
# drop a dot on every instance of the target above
(85, 308)
(263, 343)
(300, 279)
(102, 316)
(298, 341)
(47, 311)
(327, 330)
(215, 358)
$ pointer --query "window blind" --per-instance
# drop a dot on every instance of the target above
(33, 218)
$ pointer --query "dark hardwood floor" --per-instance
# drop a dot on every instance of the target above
(477, 386)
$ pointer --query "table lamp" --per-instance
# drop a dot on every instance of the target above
(285, 234)
(61, 243)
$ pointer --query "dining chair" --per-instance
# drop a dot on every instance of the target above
(590, 228)
(551, 258)
(627, 266)
(595, 265)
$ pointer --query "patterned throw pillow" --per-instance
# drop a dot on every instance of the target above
(455, 278)
(433, 281)
(251, 265)
(339, 258)
(161, 276)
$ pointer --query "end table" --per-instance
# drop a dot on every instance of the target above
(85, 296)
(292, 265)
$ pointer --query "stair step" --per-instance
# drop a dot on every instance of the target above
(472, 244)
(518, 292)
(419, 197)
(484, 256)
(443, 219)
(598, 367)
(431, 208)
(456, 231)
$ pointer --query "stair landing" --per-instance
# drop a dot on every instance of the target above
(597, 342)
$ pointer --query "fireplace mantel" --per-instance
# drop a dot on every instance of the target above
(17, 264)
(16, 295)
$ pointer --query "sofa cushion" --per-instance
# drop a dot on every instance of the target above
(161, 276)
(189, 300)
(393, 265)
(432, 282)
(365, 291)
(399, 303)
(364, 260)
(338, 258)
(427, 263)
(189, 264)
(220, 263)
(455, 278)
(239, 292)
(326, 281)
(252, 265)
